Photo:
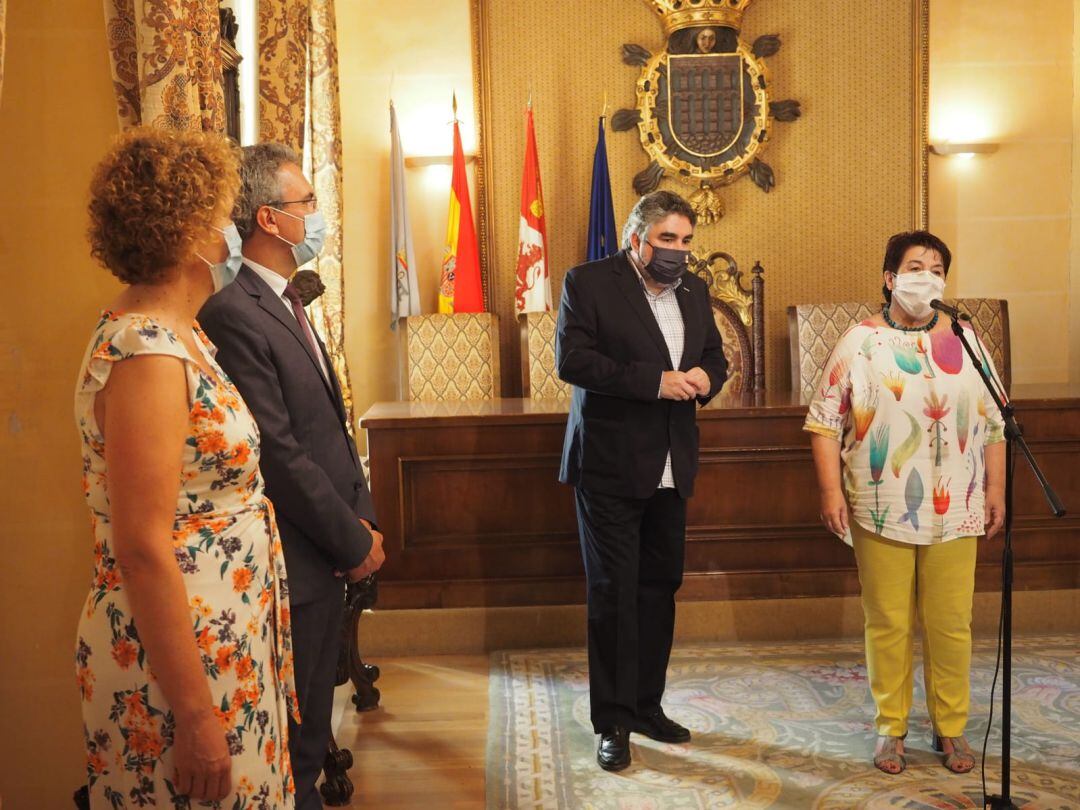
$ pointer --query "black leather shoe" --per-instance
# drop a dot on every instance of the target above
(658, 726)
(613, 753)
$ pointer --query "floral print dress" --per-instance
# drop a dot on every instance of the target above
(226, 545)
(913, 419)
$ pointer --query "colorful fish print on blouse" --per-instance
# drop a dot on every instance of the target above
(911, 415)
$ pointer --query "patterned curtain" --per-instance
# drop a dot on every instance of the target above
(166, 63)
(299, 106)
(324, 137)
(284, 27)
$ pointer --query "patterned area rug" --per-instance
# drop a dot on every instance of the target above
(777, 726)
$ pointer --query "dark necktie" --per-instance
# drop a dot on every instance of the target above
(298, 310)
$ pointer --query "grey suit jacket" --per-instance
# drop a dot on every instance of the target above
(308, 458)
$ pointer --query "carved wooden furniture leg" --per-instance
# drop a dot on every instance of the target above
(361, 596)
(337, 788)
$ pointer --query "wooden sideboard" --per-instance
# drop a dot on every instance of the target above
(467, 497)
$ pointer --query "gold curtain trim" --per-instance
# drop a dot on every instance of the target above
(3, 23)
(324, 137)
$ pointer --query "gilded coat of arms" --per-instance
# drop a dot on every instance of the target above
(703, 110)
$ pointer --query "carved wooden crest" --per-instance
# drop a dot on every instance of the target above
(703, 110)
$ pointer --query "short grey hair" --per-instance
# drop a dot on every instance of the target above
(652, 208)
(259, 184)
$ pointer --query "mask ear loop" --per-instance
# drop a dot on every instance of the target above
(209, 263)
(885, 291)
(282, 238)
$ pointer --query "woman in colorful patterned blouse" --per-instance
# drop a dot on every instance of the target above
(911, 464)
(183, 657)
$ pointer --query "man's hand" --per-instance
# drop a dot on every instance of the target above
(676, 385)
(700, 380)
(994, 511)
(374, 560)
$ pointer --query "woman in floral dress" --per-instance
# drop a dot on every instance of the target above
(183, 656)
(908, 442)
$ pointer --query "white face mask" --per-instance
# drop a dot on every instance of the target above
(314, 236)
(224, 273)
(914, 292)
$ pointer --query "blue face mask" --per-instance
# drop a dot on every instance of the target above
(314, 237)
(224, 273)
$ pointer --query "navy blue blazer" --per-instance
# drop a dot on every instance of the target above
(308, 459)
(610, 348)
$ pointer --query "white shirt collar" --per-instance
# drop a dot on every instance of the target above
(275, 281)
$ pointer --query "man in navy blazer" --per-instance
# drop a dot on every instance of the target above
(637, 340)
(309, 460)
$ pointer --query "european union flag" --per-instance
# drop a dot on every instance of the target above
(602, 239)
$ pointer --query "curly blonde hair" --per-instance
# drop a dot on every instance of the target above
(155, 196)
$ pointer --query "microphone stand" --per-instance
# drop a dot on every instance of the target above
(1015, 439)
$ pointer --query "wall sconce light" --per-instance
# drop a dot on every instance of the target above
(417, 161)
(963, 149)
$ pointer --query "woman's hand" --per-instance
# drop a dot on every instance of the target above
(994, 511)
(834, 513)
(203, 764)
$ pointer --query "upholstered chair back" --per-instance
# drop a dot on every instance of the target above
(813, 330)
(452, 357)
(539, 376)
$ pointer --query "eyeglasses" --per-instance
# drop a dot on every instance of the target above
(311, 202)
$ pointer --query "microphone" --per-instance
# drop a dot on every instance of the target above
(952, 312)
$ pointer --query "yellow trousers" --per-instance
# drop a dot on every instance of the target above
(938, 581)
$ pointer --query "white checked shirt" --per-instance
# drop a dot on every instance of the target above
(665, 308)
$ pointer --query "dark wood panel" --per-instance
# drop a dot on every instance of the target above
(524, 484)
(467, 497)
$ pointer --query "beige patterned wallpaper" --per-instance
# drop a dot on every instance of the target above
(844, 171)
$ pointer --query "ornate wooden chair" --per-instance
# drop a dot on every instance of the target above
(740, 316)
(539, 377)
(813, 330)
(452, 357)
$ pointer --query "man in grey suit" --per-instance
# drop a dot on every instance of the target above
(268, 348)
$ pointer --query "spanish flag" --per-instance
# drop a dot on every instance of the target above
(459, 288)
(533, 291)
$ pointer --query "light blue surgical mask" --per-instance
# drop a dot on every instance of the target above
(314, 236)
(224, 273)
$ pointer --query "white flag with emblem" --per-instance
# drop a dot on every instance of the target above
(404, 291)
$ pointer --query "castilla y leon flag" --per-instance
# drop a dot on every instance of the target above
(533, 293)
(459, 288)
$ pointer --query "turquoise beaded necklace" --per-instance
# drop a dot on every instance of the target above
(926, 327)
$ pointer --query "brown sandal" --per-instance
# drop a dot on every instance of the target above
(960, 758)
(890, 760)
